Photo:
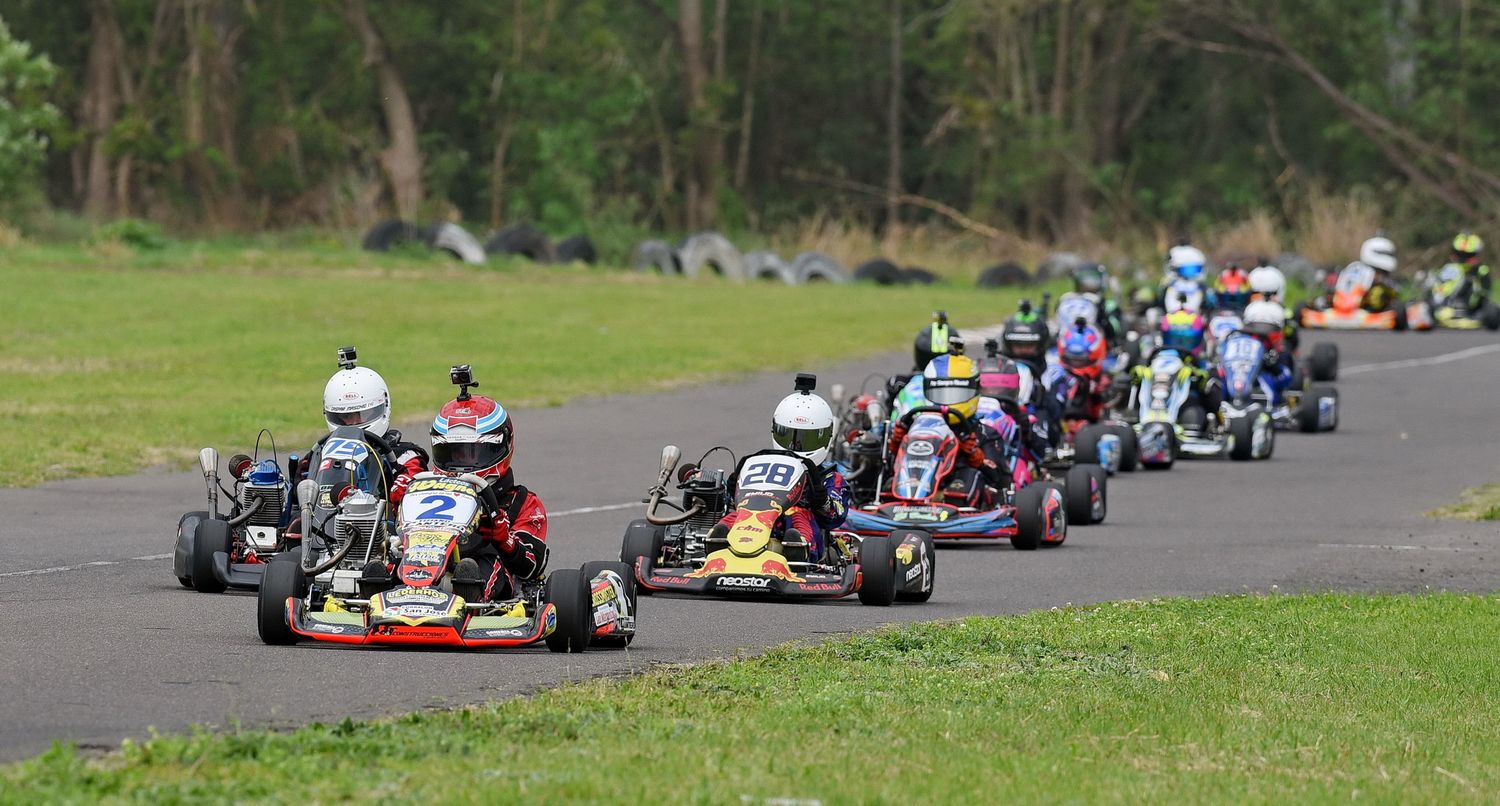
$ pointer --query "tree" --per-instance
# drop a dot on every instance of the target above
(25, 115)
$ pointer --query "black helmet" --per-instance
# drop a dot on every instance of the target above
(1024, 339)
(934, 340)
(1089, 279)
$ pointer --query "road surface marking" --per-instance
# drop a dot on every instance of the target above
(1445, 358)
(1390, 548)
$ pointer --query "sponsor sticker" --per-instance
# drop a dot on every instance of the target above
(745, 583)
(605, 614)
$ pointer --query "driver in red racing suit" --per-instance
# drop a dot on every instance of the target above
(474, 434)
(803, 424)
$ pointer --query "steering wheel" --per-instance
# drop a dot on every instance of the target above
(963, 426)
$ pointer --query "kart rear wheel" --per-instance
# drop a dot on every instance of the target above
(569, 592)
(1129, 455)
(182, 560)
(1086, 443)
(641, 540)
(1400, 311)
(877, 569)
(930, 550)
(212, 536)
(1031, 517)
(627, 575)
(282, 580)
(1307, 415)
(1325, 361)
(1489, 316)
(1083, 479)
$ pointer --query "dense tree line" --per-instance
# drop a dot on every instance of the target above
(1049, 117)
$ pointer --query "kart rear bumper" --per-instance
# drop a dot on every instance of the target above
(993, 525)
(355, 628)
(243, 576)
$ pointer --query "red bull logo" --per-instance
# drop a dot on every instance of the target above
(780, 570)
(714, 565)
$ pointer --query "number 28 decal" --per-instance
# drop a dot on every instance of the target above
(769, 474)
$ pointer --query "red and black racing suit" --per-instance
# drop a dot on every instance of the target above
(514, 528)
(824, 506)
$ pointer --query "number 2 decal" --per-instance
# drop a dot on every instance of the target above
(437, 513)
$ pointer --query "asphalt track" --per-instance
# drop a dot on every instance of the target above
(98, 642)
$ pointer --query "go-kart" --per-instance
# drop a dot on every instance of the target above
(1170, 421)
(926, 488)
(1090, 435)
(684, 553)
(354, 581)
(1342, 308)
(1250, 393)
(214, 550)
(1445, 301)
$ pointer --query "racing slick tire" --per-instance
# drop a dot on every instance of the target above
(877, 570)
(1489, 316)
(1079, 495)
(569, 592)
(1307, 413)
(641, 540)
(1129, 455)
(1242, 432)
(1171, 440)
(283, 579)
(212, 536)
(187, 528)
(1031, 517)
(1400, 311)
(632, 595)
(930, 548)
(1325, 361)
(1086, 443)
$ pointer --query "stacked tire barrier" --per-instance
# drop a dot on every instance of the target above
(709, 253)
(522, 240)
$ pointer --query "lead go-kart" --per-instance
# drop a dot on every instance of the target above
(355, 581)
(215, 551)
(683, 553)
(1343, 307)
(927, 489)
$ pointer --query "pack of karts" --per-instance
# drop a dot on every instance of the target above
(684, 553)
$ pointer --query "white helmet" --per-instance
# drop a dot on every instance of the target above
(1268, 282)
(1265, 312)
(357, 396)
(1378, 253)
(803, 423)
(1180, 256)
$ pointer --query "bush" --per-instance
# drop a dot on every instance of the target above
(132, 232)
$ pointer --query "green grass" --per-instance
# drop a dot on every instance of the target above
(114, 359)
(1477, 504)
(1266, 699)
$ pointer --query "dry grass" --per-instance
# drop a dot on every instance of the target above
(1254, 237)
(1331, 228)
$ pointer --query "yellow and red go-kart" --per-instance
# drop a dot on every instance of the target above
(1344, 309)
(356, 582)
(684, 553)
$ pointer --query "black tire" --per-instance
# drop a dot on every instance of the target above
(877, 566)
(521, 239)
(1242, 431)
(655, 256)
(1400, 310)
(568, 590)
(897, 538)
(1192, 416)
(187, 525)
(1129, 451)
(212, 536)
(1002, 276)
(712, 251)
(1167, 465)
(388, 234)
(880, 272)
(1079, 494)
(767, 265)
(916, 275)
(1324, 362)
(816, 267)
(641, 540)
(1086, 443)
(577, 249)
(282, 580)
(1489, 316)
(1031, 517)
(1307, 413)
(590, 571)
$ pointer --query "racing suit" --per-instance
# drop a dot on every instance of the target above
(823, 508)
(514, 528)
(1017, 427)
(1476, 286)
(980, 446)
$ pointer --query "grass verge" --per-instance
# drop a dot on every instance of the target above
(1267, 699)
(112, 360)
(1477, 504)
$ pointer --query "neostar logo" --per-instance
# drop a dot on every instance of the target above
(744, 582)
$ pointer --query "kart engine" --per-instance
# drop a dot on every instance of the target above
(265, 489)
(361, 520)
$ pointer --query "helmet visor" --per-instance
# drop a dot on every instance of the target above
(801, 440)
(951, 391)
(362, 417)
(468, 457)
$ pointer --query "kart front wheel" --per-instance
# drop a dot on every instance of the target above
(282, 580)
(1325, 361)
(591, 571)
(926, 553)
(877, 568)
(1242, 437)
(1085, 494)
(641, 540)
(211, 536)
(568, 591)
(1031, 516)
(1129, 451)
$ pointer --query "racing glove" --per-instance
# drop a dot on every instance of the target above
(411, 464)
(816, 497)
(970, 450)
(496, 529)
(898, 436)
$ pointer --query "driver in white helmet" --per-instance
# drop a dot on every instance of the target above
(803, 424)
(1268, 284)
(1267, 321)
(1184, 287)
(1374, 271)
(358, 396)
